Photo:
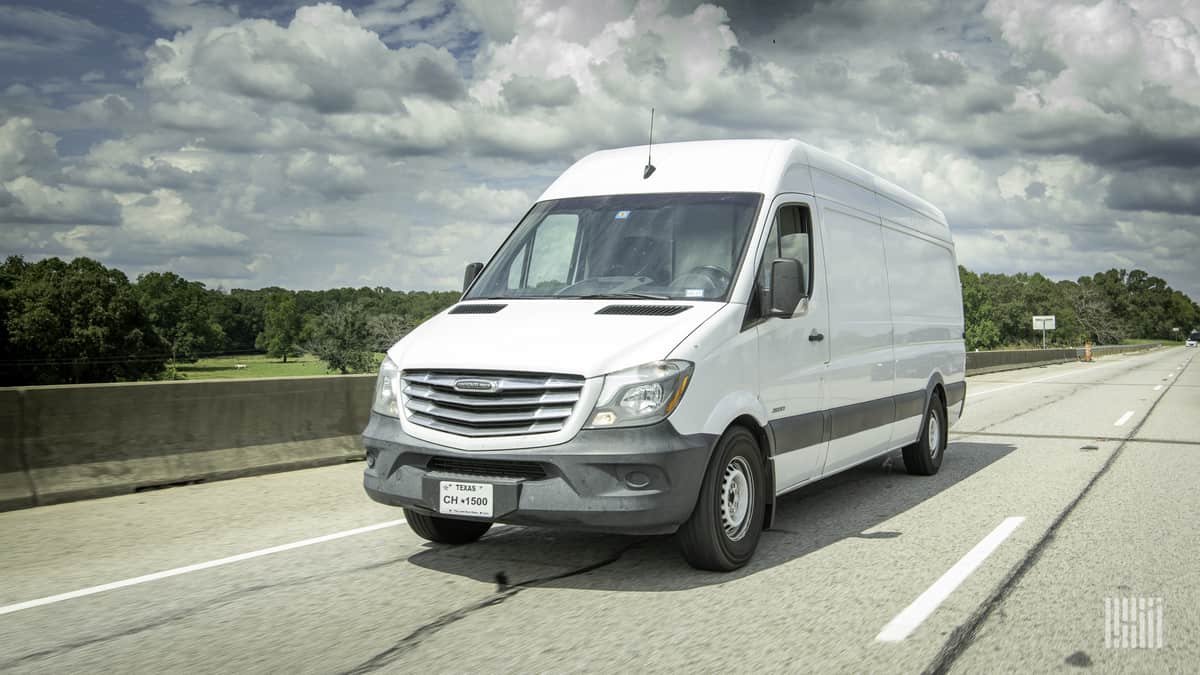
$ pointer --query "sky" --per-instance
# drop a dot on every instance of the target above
(389, 143)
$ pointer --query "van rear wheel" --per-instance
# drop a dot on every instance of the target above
(724, 528)
(445, 530)
(924, 457)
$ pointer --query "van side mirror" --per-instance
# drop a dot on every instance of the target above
(473, 270)
(787, 287)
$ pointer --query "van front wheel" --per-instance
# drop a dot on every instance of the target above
(724, 528)
(924, 457)
(445, 530)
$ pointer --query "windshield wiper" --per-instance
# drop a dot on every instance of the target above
(632, 295)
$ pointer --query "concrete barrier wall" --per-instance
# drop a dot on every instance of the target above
(73, 442)
(990, 362)
(63, 443)
(979, 363)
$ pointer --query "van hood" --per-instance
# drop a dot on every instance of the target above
(549, 336)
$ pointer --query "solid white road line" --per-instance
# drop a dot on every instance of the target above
(1123, 419)
(1157, 387)
(908, 620)
(49, 600)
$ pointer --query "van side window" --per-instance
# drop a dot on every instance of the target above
(789, 238)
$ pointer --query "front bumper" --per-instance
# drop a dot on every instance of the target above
(591, 482)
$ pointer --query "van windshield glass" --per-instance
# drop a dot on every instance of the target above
(684, 246)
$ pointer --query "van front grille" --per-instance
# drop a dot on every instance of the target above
(490, 404)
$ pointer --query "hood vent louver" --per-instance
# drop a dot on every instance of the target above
(477, 309)
(644, 310)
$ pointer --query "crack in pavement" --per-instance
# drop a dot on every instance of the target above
(183, 614)
(962, 637)
(427, 630)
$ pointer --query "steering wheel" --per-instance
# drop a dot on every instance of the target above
(715, 278)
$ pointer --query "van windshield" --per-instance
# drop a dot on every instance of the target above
(684, 246)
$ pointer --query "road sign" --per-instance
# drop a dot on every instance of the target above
(1043, 322)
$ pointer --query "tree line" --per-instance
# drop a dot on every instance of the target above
(1105, 308)
(72, 322)
(79, 321)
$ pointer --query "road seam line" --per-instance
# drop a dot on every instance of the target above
(962, 637)
(174, 572)
(911, 617)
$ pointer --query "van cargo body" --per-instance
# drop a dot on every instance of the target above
(671, 353)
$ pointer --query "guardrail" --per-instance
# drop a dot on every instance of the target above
(63, 443)
(979, 363)
(72, 442)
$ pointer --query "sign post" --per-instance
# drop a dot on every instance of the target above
(1043, 323)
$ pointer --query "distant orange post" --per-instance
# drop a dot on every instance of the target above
(1087, 352)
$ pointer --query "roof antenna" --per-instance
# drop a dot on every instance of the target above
(649, 167)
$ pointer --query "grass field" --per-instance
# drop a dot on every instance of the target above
(256, 365)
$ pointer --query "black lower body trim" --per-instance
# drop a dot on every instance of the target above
(802, 431)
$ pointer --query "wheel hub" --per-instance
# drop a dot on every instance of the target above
(737, 498)
(935, 435)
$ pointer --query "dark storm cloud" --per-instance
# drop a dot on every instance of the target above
(936, 69)
(1162, 191)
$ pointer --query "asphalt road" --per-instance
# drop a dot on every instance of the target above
(1062, 486)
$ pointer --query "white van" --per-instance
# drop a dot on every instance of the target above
(672, 348)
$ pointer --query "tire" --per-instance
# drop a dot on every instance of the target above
(445, 530)
(711, 540)
(924, 457)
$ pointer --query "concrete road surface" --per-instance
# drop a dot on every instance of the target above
(1065, 490)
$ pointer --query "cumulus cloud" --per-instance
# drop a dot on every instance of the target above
(24, 149)
(154, 227)
(392, 143)
(479, 201)
(31, 202)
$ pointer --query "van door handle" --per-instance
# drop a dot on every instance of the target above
(816, 336)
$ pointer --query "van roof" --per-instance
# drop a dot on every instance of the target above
(764, 166)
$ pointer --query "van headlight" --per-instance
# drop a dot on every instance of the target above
(387, 389)
(642, 395)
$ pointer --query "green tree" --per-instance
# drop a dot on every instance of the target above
(182, 315)
(341, 337)
(281, 327)
(71, 323)
(387, 329)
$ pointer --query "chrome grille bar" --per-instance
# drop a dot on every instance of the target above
(490, 404)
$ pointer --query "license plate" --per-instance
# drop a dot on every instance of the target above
(465, 499)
